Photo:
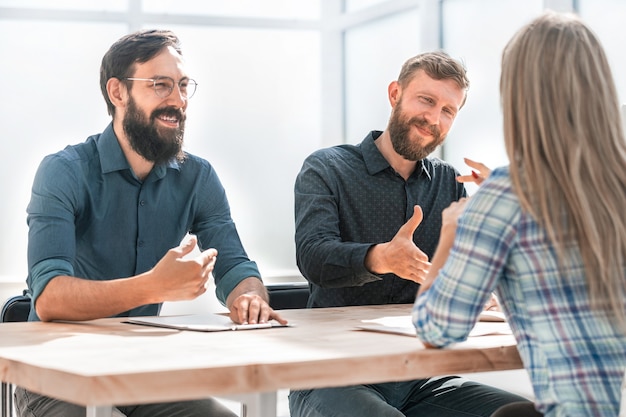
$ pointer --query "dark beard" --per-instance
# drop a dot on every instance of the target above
(400, 130)
(148, 141)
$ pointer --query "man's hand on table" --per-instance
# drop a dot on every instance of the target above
(248, 303)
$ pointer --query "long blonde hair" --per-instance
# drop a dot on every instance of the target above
(565, 142)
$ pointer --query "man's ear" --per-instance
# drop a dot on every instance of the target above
(393, 93)
(117, 91)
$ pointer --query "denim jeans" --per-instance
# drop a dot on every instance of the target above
(29, 404)
(448, 396)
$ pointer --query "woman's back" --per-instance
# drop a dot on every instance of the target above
(574, 353)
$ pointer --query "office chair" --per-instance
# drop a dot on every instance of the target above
(16, 308)
(288, 295)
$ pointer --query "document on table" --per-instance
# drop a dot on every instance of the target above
(404, 326)
(200, 323)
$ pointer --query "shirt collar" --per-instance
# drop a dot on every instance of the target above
(112, 157)
(376, 162)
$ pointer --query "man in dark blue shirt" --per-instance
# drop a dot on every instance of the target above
(367, 222)
(107, 217)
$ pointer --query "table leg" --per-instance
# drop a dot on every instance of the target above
(262, 404)
(7, 400)
(99, 411)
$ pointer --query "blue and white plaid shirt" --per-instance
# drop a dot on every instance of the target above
(575, 356)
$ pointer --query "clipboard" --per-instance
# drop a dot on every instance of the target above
(200, 323)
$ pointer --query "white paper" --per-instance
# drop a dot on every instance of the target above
(404, 326)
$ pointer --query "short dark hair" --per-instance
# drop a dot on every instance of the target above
(438, 65)
(137, 47)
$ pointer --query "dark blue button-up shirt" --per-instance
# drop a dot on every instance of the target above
(89, 216)
(347, 199)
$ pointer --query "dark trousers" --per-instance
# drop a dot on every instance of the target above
(29, 404)
(517, 410)
(449, 396)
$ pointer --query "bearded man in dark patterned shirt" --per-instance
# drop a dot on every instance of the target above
(368, 219)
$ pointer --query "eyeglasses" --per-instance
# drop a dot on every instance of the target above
(163, 86)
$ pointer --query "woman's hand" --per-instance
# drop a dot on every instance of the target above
(480, 172)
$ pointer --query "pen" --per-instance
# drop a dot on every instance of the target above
(252, 326)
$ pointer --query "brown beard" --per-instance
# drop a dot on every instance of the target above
(154, 144)
(412, 149)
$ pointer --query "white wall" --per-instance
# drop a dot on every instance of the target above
(477, 31)
(256, 115)
(275, 83)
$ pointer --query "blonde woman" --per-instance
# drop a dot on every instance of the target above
(548, 232)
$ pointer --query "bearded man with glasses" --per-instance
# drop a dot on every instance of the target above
(107, 217)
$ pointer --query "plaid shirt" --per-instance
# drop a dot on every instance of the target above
(575, 356)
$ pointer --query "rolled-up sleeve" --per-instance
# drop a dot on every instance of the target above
(41, 274)
(50, 218)
(215, 228)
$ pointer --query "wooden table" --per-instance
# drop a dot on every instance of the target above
(104, 362)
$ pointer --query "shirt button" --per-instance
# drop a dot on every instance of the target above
(140, 243)
(142, 203)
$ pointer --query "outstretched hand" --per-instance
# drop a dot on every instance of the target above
(449, 219)
(176, 277)
(450, 215)
(400, 255)
(480, 172)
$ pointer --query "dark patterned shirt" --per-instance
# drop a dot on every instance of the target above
(347, 199)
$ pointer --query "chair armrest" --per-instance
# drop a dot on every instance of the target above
(288, 295)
